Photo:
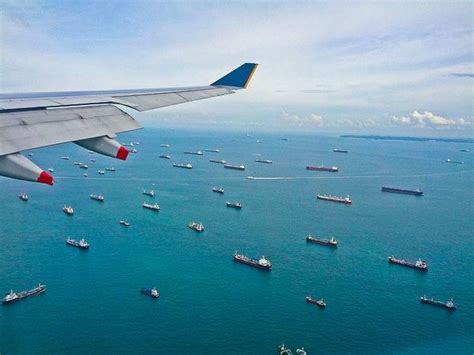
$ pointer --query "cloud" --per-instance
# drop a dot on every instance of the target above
(429, 120)
(462, 75)
(300, 121)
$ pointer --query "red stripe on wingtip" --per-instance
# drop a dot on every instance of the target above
(122, 153)
(45, 178)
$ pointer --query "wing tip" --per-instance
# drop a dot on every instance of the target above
(239, 77)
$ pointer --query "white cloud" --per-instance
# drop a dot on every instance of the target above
(428, 119)
(300, 121)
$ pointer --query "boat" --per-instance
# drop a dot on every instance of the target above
(218, 161)
(101, 172)
(134, 151)
(301, 351)
(82, 244)
(262, 263)
(328, 242)
(154, 207)
(419, 264)
(152, 292)
(185, 166)
(85, 175)
(219, 190)
(450, 304)
(51, 170)
(23, 196)
(464, 150)
(165, 156)
(265, 161)
(14, 296)
(284, 139)
(234, 167)
(198, 227)
(110, 169)
(30, 154)
(454, 161)
(68, 210)
(236, 205)
(65, 158)
(347, 200)
(212, 150)
(340, 151)
(77, 163)
(332, 169)
(92, 160)
(164, 145)
(83, 166)
(149, 193)
(319, 303)
(194, 153)
(99, 198)
(416, 192)
(125, 223)
(283, 350)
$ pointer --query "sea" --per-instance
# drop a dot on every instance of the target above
(210, 304)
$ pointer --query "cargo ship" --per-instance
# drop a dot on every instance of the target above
(212, 150)
(152, 292)
(319, 303)
(164, 145)
(194, 153)
(165, 156)
(449, 304)
(347, 200)
(332, 169)
(99, 198)
(219, 190)
(236, 205)
(464, 150)
(68, 210)
(110, 169)
(23, 196)
(82, 244)
(265, 161)
(185, 166)
(340, 151)
(327, 242)
(198, 227)
(83, 166)
(13, 296)
(218, 161)
(65, 158)
(454, 161)
(416, 192)
(419, 264)
(235, 167)
(149, 193)
(154, 207)
(261, 263)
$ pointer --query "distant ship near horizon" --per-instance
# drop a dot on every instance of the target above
(333, 169)
(416, 192)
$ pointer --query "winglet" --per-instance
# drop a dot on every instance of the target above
(238, 78)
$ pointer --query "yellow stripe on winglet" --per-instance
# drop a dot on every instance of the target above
(250, 76)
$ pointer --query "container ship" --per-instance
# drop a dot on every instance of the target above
(347, 200)
(419, 264)
(154, 207)
(327, 242)
(332, 169)
(152, 292)
(99, 198)
(416, 192)
(264, 161)
(13, 296)
(218, 161)
(194, 153)
(319, 303)
(185, 166)
(449, 304)
(261, 263)
(340, 151)
(235, 167)
(82, 244)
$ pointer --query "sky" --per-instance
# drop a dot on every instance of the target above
(401, 68)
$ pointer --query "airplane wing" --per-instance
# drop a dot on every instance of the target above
(90, 119)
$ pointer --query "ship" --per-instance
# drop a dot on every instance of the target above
(218, 161)
(235, 167)
(82, 244)
(328, 242)
(194, 153)
(236, 205)
(185, 166)
(332, 169)
(83, 166)
(154, 207)
(77, 163)
(125, 223)
(264, 161)
(134, 151)
(85, 175)
(419, 264)
(261, 263)
(68, 210)
(347, 200)
(92, 160)
(165, 156)
(152, 292)
(340, 151)
(110, 169)
(319, 303)
(101, 172)
(464, 150)
(212, 150)
(99, 198)
(283, 350)
(149, 193)
(14, 296)
(219, 190)
(454, 161)
(198, 227)
(164, 145)
(416, 192)
(449, 304)
(51, 170)
(23, 196)
(65, 158)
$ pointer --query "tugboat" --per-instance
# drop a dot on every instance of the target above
(346, 200)
(124, 222)
(149, 193)
(154, 207)
(218, 161)
(198, 227)
(13, 296)
(234, 167)
(319, 303)
(99, 198)
(185, 166)
(283, 350)
(236, 205)
(419, 264)
(219, 190)
(82, 244)
(68, 210)
(261, 263)
(152, 292)
(327, 242)
(448, 305)
(23, 196)
(165, 156)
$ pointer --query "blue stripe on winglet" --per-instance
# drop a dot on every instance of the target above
(239, 77)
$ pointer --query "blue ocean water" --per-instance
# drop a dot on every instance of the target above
(208, 303)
